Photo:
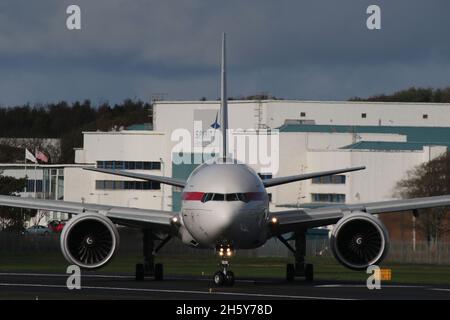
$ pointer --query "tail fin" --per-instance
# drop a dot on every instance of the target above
(223, 98)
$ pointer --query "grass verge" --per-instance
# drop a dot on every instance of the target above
(325, 268)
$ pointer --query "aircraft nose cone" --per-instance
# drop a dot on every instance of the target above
(208, 227)
(219, 222)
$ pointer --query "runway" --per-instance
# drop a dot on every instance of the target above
(102, 286)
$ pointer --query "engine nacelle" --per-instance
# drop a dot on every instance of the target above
(89, 240)
(359, 240)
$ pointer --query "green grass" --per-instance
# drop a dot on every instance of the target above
(324, 268)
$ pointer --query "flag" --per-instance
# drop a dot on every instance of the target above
(41, 156)
(29, 156)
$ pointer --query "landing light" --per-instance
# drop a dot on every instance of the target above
(274, 220)
(175, 220)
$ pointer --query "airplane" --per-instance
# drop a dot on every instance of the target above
(225, 207)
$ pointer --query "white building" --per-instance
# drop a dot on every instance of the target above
(43, 182)
(143, 151)
(314, 136)
(274, 113)
(388, 138)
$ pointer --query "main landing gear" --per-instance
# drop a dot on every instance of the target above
(224, 277)
(300, 268)
(149, 268)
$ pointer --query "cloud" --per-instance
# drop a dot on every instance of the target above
(312, 49)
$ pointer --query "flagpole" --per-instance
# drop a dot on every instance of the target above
(35, 173)
(25, 164)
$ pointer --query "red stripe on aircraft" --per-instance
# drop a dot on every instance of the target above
(193, 196)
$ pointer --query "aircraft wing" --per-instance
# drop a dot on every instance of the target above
(133, 217)
(166, 180)
(291, 220)
(288, 179)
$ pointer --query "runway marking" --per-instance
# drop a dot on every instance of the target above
(109, 276)
(63, 275)
(439, 289)
(204, 279)
(260, 295)
(364, 286)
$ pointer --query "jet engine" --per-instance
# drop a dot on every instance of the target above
(359, 240)
(89, 240)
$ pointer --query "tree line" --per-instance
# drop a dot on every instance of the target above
(428, 180)
(66, 121)
(13, 219)
(412, 94)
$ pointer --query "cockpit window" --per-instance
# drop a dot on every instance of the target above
(225, 197)
(231, 197)
(218, 197)
(242, 197)
(207, 197)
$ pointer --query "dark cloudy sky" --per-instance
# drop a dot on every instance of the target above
(314, 49)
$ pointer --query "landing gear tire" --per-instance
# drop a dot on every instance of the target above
(140, 272)
(290, 272)
(159, 272)
(219, 278)
(229, 278)
(309, 272)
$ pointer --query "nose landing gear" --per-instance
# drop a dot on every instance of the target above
(224, 277)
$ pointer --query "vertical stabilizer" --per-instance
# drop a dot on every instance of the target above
(223, 99)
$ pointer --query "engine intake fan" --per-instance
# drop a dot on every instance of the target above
(359, 240)
(89, 240)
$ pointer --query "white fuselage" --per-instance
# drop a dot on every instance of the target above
(225, 204)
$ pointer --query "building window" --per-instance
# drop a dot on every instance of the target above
(126, 185)
(334, 179)
(424, 116)
(30, 185)
(100, 184)
(119, 165)
(129, 165)
(109, 185)
(328, 197)
(363, 115)
(155, 165)
(302, 114)
(148, 165)
(119, 185)
(109, 164)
